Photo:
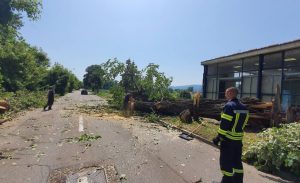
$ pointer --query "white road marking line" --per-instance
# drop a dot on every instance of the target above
(80, 129)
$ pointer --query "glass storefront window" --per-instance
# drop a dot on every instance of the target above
(250, 84)
(251, 64)
(211, 84)
(270, 80)
(292, 72)
(212, 69)
(292, 58)
(272, 61)
(230, 67)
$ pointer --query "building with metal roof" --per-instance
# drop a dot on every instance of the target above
(256, 73)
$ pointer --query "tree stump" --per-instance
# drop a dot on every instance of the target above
(186, 116)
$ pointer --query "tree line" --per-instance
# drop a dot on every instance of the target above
(23, 66)
(123, 77)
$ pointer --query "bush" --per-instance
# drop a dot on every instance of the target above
(22, 100)
(278, 149)
(105, 94)
(153, 118)
(118, 94)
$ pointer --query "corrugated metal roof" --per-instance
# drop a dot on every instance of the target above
(255, 52)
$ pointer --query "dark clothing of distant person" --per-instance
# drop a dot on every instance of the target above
(50, 99)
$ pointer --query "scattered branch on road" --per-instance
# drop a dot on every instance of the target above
(5, 156)
(87, 138)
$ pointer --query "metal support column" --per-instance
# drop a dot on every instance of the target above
(259, 82)
(204, 82)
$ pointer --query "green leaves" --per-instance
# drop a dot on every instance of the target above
(22, 66)
(63, 79)
(94, 77)
(118, 94)
(87, 138)
(22, 100)
(148, 83)
(155, 84)
(12, 11)
(279, 148)
(131, 77)
(153, 118)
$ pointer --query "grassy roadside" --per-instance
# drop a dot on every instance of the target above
(21, 101)
(208, 130)
(105, 94)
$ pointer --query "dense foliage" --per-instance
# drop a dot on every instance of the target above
(25, 71)
(94, 77)
(155, 84)
(22, 66)
(118, 94)
(22, 100)
(63, 79)
(148, 82)
(278, 149)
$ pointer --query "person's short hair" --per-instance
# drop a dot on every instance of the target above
(234, 90)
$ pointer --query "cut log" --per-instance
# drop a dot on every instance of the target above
(259, 111)
(4, 106)
(144, 106)
(186, 116)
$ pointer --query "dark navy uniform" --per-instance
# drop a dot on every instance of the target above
(234, 118)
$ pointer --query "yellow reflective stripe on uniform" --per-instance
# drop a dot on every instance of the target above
(246, 121)
(237, 117)
(223, 132)
(238, 170)
(226, 116)
(230, 135)
(235, 134)
(229, 174)
(233, 138)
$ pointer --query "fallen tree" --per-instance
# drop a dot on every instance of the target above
(259, 111)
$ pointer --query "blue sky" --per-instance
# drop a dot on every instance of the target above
(175, 34)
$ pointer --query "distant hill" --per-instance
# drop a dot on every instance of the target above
(185, 87)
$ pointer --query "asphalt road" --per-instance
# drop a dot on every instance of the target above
(43, 147)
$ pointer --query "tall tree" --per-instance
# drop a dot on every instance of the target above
(61, 78)
(22, 66)
(131, 77)
(94, 77)
(113, 69)
(154, 83)
(12, 12)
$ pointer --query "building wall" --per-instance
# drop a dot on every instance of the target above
(280, 68)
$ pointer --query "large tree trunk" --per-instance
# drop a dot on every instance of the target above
(260, 111)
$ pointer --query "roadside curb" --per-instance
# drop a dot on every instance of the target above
(166, 124)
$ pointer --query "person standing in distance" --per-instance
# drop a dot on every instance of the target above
(50, 96)
(234, 118)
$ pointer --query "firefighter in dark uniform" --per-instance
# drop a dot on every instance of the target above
(234, 118)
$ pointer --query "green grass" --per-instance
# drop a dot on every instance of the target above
(23, 100)
(105, 94)
(209, 130)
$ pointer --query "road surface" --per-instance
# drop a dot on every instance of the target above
(41, 147)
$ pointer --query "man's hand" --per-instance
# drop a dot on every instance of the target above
(216, 140)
